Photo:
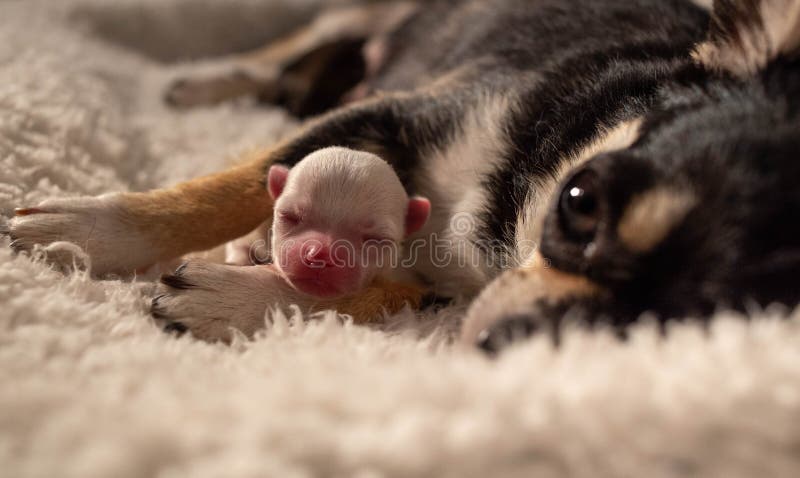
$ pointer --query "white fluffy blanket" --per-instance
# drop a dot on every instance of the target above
(89, 387)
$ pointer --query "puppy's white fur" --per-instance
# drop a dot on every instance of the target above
(250, 249)
(336, 186)
(339, 186)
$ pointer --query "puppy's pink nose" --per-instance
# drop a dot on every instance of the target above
(319, 268)
(317, 255)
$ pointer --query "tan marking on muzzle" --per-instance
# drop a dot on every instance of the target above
(557, 283)
(518, 290)
(651, 216)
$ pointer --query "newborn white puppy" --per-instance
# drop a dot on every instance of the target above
(339, 218)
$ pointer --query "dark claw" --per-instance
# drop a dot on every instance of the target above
(176, 281)
(156, 309)
(176, 328)
(17, 246)
(181, 269)
(434, 301)
(172, 96)
(506, 332)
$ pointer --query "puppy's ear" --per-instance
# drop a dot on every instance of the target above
(745, 35)
(276, 180)
(419, 210)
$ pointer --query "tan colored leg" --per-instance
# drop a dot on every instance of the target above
(289, 67)
(128, 232)
(370, 304)
(204, 212)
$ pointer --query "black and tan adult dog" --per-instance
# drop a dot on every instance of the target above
(592, 159)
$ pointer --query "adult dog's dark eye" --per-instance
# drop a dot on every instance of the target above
(578, 207)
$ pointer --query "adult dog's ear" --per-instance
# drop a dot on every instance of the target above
(745, 35)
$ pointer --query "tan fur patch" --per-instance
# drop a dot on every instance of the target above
(705, 4)
(348, 22)
(558, 284)
(204, 212)
(369, 305)
(515, 291)
(755, 44)
(651, 216)
(619, 137)
(782, 23)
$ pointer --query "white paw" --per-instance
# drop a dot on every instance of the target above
(252, 249)
(98, 225)
(237, 253)
(208, 300)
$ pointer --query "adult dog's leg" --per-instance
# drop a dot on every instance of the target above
(528, 300)
(123, 233)
(307, 71)
(209, 300)
(128, 232)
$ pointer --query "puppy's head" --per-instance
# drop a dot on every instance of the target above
(699, 212)
(340, 215)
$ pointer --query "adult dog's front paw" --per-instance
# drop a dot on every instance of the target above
(209, 300)
(506, 332)
(98, 225)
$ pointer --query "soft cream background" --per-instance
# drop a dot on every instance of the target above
(89, 387)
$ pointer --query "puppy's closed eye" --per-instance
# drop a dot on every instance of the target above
(289, 218)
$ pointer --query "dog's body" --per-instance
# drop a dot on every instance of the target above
(679, 143)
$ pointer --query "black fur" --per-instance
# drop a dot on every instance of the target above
(576, 68)
(176, 328)
(176, 281)
(577, 65)
(507, 331)
(399, 130)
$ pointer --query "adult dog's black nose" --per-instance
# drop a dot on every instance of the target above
(505, 332)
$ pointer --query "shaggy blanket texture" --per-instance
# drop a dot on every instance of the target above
(89, 387)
